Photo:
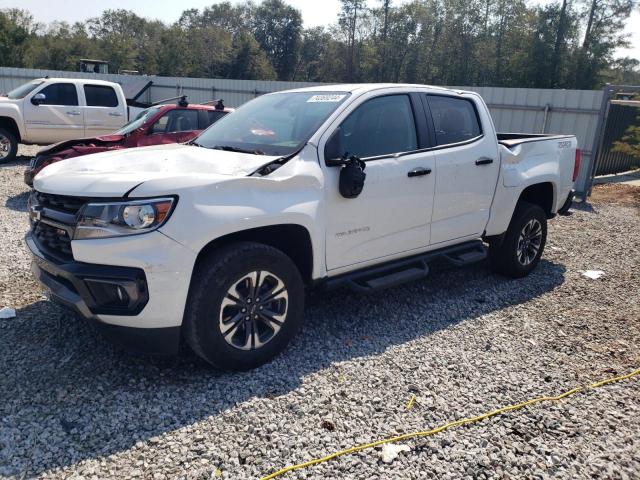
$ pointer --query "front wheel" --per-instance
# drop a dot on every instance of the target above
(246, 303)
(520, 250)
(8, 146)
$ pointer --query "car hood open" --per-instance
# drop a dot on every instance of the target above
(114, 173)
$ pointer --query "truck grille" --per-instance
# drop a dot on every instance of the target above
(50, 238)
(61, 203)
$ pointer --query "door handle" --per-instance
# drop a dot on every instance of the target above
(73, 114)
(484, 161)
(418, 172)
(115, 114)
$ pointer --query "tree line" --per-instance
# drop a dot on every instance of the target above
(512, 43)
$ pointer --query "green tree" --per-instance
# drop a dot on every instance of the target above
(350, 19)
(17, 31)
(249, 61)
(277, 27)
(602, 35)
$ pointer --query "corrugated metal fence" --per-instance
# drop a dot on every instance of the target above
(620, 116)
(524, 110)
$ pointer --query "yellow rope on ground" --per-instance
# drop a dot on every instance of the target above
(457, 423)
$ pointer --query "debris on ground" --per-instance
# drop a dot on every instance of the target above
(593, 274)
(6, 312)
(390, 451)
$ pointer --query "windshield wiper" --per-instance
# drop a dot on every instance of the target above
(229, 148)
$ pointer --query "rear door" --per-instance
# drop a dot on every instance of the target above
(175, 126)
(59, 117)
(467, 166)
(391, 216)
(103, 113)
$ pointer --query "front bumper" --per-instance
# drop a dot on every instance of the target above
(104, 290)
(29, 176)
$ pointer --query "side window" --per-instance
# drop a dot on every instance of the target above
(60, 94)
(178, 120)
(100, 96)
(455, 119)
(213, 116)
(380, 126)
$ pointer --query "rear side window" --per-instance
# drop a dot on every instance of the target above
(60, 94)
(455, 119)
(380, 126)
(213, 116)
(100, 96)
(177, 120)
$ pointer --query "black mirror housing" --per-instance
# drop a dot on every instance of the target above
(38, 99)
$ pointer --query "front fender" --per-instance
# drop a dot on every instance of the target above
(11, 112)
(292, 195)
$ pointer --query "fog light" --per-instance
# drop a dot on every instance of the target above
(112, 294)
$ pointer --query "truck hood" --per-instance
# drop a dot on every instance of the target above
(114, 173)
(100, 141)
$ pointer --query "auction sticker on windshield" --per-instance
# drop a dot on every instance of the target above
(325, 98)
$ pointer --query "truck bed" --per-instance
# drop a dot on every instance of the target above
(510, 140)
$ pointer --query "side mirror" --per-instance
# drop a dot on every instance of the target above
(333, 152)
(38, 99)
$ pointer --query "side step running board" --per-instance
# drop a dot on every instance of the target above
(407, 269)
(461, 258)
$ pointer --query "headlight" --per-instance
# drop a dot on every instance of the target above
(100, 220)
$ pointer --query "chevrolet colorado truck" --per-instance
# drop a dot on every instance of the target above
(156, 125)
(48, 110)
(340, 186)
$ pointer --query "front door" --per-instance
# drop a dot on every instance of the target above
(59, 117)
(467, 163)
(393, 212)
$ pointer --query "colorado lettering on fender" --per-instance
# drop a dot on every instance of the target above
(352, 232)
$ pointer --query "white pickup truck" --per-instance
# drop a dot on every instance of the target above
(338, 186)
(50, 110)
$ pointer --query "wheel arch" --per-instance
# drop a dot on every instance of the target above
(10, 125)
(542, 194)
(292, 239)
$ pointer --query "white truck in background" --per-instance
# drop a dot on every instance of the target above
(50, 110)
(338, 186)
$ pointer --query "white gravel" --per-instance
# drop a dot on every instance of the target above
(463, 341)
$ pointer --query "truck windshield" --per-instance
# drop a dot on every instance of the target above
(277, 124)
(137, 122)
(22, 90)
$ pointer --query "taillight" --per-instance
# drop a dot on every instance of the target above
(576, 165)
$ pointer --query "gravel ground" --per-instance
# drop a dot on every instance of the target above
(463, 341)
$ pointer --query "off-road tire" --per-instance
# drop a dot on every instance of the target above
(13, 145)
(503, 255)
(215, 274)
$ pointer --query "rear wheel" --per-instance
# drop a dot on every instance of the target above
(521, 248)
(245, 305)
(8, 146)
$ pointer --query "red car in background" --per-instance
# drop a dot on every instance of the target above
(156, 125)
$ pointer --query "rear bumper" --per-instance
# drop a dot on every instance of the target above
(85, 289)
(564, 209)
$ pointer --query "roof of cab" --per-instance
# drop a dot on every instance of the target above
(81, 80)
(366, 87)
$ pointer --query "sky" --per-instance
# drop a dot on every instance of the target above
(314, 12)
